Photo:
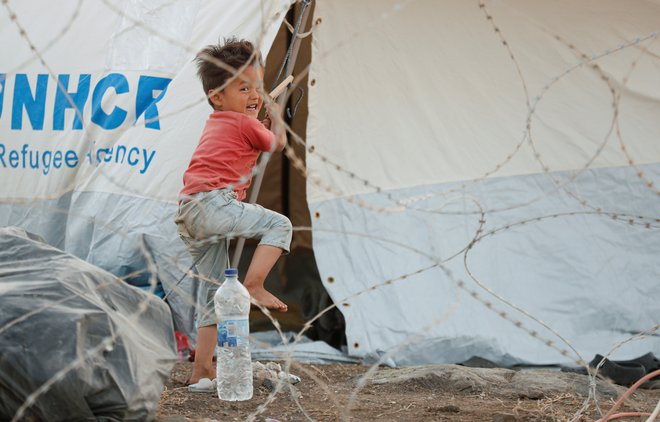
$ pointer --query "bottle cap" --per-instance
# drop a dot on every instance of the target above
(231, 272)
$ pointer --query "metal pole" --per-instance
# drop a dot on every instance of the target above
(280, 101)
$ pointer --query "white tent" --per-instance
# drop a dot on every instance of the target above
(511, 142)
(473, 168)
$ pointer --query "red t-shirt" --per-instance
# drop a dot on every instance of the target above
(227, 151)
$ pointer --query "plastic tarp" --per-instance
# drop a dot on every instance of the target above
(273, 345)
(77, 342)
(483, 177)
(100, 111)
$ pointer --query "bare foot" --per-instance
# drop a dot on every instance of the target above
(265, 298)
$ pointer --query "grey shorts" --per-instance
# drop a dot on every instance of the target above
(206, 221)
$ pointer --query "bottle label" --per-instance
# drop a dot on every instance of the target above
(233, 333)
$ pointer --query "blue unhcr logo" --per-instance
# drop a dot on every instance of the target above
(30, 99)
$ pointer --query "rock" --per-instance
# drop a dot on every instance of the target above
(532, 384)
(269, 384)
(271, 372)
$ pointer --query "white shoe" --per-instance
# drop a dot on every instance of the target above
(204, 385)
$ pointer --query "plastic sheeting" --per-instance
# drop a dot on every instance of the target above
(268, 345)
(403, 280)
(77, 343)
(483, 177)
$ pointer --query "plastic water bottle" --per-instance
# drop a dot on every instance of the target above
(234, 366)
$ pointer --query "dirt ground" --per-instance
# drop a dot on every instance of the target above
(332, 393)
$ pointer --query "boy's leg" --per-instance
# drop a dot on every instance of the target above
(275, 231)
(224, 215)
(263, 260)
(211, 268)
(203, 365)
(196, 220)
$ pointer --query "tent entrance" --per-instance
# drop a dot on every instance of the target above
(295, 277)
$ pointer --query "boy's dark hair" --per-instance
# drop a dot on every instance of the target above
(234, 53)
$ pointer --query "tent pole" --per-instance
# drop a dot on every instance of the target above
(295, 46)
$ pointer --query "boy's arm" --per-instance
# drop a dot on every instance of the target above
(276, 125)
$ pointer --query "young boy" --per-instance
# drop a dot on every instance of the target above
(219, 173)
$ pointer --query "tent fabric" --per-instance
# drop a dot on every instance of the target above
(77, 342)
(477, 167)
(435, 96)
(101, 179)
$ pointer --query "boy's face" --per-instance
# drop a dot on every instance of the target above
(242, 94)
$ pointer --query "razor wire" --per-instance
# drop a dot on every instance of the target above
(502, 307)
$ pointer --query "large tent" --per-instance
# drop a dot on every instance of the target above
(493, 167)
(482, 177)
